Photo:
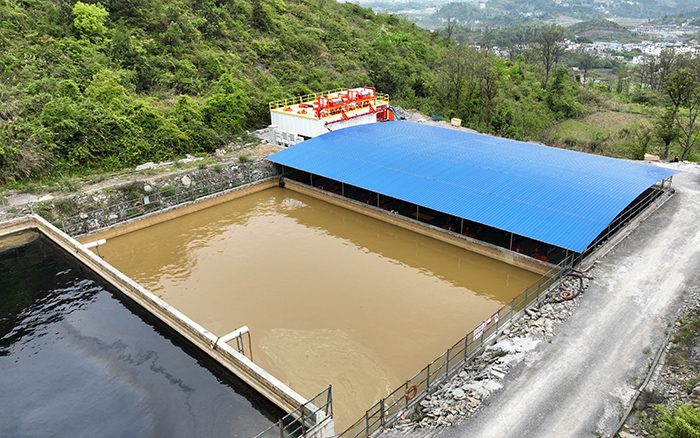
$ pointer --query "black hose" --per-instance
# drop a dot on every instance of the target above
(566, 295)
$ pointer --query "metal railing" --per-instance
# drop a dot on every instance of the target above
(389, 409)
(237, 335)
(309, 419)
(302, 99)
(308, 98)
(109, 215)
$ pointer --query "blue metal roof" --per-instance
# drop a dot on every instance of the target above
(556, 196)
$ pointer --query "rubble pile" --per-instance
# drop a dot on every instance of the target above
(463, 394)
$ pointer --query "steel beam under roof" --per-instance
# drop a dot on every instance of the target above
(552, 195)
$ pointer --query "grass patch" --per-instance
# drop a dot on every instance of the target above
(682, 342)
(611, 120)
(244, 158)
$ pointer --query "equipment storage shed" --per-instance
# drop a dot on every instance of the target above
(556, 196)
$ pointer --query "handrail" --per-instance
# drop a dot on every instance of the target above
(307, 419)
(308, 98)
(238, 336)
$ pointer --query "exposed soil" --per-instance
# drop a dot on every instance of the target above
(256, 148)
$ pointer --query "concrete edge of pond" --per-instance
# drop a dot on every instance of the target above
(483, 248)
(253, 375)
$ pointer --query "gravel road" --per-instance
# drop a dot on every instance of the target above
(579, 384)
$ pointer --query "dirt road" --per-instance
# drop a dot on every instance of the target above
(580, 384)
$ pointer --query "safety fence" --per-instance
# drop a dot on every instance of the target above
(312, 419)
(307, 98)
(166, 197)
(302, 99)
(389, 409)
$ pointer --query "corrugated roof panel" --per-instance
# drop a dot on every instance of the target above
(556, 196)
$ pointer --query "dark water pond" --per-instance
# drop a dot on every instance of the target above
(78, 360)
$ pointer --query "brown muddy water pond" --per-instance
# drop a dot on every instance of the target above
(330, 296)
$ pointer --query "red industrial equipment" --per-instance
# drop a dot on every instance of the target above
(326, 106)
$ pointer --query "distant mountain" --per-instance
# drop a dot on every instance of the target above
(595, 29)
(512, 12)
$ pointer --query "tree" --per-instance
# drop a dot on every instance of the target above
(225, 111)
(449, 29)
(622, 85)
(586, 58)
(456, 76)
(550, 46)
(488, 90)
(90, 19)
(683, 90)
(636, 140)
(105, 87)
(665, 129)
(486, 39)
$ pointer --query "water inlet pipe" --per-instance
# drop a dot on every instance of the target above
(96, 244)
(233, 335)
(396, 116)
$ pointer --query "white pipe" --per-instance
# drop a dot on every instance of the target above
(234, 334)
(95, 243)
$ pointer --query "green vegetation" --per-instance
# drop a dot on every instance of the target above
(114, 84)
(681, 422)
(94, 87)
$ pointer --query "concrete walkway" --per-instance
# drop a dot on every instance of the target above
(580, 384)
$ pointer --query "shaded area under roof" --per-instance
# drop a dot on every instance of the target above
(552, 195)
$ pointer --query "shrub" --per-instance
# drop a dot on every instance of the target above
(681, 422)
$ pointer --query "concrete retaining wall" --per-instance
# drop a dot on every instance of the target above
(479, 247)
(238, 364)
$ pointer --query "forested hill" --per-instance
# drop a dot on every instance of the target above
(127, 81)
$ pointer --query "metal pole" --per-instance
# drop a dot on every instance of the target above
(417, 212)
(342, 188)
(427, 377)
(511, 241)
(447, 362)
(381, 412)
(461, 226)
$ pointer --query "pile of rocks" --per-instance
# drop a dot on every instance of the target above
(463, 394)
(107, 205)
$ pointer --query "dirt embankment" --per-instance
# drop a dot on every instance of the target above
(108, 199)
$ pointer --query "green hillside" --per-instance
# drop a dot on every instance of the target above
(100, 87)
(116, 84)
